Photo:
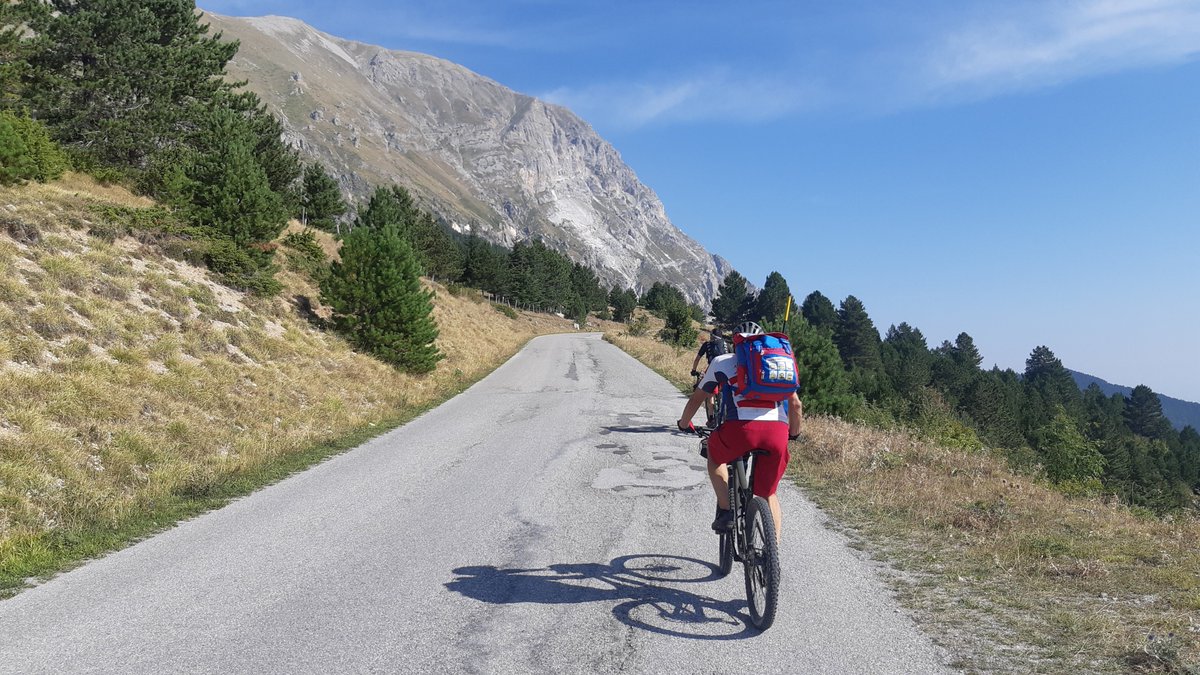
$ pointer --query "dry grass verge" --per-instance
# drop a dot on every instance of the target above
(134, 390)
(1005, 572)
(673, 363)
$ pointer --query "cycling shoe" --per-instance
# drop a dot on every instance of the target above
(724, 520)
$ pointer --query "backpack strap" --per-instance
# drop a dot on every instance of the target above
(756, 403)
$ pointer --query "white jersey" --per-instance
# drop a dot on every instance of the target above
(719, 373)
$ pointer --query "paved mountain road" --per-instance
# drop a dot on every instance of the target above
(546, 520)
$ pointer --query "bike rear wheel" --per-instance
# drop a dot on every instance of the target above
(761, 564)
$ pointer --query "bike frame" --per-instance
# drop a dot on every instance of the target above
(741, 477)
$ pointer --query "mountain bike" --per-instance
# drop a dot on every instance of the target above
(752, 540)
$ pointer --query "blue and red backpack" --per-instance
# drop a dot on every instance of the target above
(766, 368)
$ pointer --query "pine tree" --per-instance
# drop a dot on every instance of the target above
(906, 360)
(48, 161)
(679, 330)
(955, 368)
(12, 58)
(538, 277)
(1104, 425)
(1144, 415)
(819, 311)
(1101, 419)
(438, 254)
(965, 354)
(1189, 453)
(1118, 466)
(16, 164)
(824, 385)
(483, 264)
(1044, 369)
(727, 304)
(377, 300)
(577, 311)
(522, 281)
(623, 304)
(586, 287)
(1147, 485)
(280, 161)
(388, 206)
(437, 251)
(662, 296)
(856, 337)
(17, 46)
(228, 190)
(993, 402)
(118, 81)
(772, 302)
(321, 199)
(1049, 385)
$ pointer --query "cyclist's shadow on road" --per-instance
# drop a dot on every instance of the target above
(640, 586)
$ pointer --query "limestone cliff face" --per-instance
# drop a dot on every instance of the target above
(479, 154)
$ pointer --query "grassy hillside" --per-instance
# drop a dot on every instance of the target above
(135, 390)
(1004, 571)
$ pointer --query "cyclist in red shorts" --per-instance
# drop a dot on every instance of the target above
(749, 425)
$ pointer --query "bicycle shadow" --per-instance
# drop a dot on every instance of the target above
(635, 582)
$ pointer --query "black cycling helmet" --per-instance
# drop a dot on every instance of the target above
(749, 328)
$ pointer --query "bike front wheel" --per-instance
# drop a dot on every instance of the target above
(761, 564)
(726, 546)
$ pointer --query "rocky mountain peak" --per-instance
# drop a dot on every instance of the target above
(484, 157)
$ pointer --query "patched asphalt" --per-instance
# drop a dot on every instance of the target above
(546, 520)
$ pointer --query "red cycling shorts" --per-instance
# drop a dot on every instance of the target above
(735, 438)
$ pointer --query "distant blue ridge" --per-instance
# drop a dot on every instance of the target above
(1181, 413)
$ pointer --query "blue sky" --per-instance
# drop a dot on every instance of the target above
(1024, 171)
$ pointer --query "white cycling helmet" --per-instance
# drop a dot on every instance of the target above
(749, 328)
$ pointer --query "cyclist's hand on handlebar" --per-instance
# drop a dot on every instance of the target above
(689, 428)
(695, 373)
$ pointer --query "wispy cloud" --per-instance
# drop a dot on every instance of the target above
(780, 59)
(1042, 44)
(718, 94)
(967, 52)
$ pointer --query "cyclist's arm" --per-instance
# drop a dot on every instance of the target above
(696, 361)
(713, 376)
(693, 405)
(795, 415)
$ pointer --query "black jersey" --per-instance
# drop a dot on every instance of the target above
(712, 349)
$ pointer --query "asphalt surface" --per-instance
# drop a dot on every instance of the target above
(546, 520)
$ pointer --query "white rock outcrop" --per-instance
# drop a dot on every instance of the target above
(480, 155)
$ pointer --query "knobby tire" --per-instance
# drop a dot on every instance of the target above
(761, 564)
(726, 553)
